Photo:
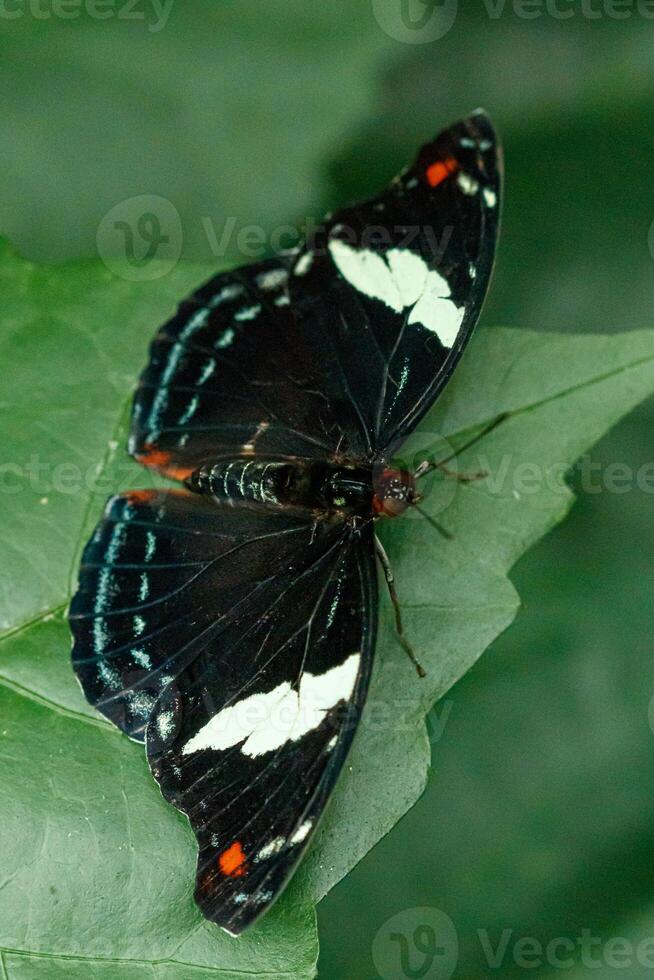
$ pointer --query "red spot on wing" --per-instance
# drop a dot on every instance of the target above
(141, 496)
(438, 171)
(232, 861)
(157, 459)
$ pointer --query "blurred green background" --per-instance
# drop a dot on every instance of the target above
(539, 817)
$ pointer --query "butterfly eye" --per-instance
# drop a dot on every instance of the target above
(397, 490)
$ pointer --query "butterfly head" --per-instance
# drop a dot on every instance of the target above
(394, 492)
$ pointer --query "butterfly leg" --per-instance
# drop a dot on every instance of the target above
(390, 582)
(462, 477)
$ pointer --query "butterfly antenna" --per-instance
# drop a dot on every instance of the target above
(438, 527)
(428, 465)
(390, 582)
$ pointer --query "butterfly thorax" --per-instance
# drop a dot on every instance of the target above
(314, 484)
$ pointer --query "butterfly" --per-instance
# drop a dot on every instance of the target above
(230, 623)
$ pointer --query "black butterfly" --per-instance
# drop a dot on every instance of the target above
(231, 624)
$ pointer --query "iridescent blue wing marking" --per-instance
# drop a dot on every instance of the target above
(229, 374)
(162, 577)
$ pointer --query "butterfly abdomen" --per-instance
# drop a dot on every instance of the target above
(245, 479)
(282, 483)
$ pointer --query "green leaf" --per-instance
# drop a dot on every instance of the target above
(97, 870)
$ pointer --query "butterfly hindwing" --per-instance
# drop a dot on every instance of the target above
(250, 738)
(238, 642)
(160, 579)
(390, 290)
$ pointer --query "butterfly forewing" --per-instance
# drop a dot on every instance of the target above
(229, 374)
(390, 290)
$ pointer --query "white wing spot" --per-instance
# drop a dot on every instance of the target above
(467, 184)
(367, 272)
(436, 310)
(227, 292)
(405, 281)
(165, 724)
(302, 832)
(272, 279)
(303, 264)
(264, 722)
(270, 849)
(490, 197)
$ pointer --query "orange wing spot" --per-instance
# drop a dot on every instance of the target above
(141, 496)
(437, 172)
(157, 459)
(154, 458)
(232, 861)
